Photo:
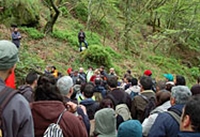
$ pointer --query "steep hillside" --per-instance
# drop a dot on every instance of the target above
(61, 47)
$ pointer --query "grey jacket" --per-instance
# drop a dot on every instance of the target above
(17, 117)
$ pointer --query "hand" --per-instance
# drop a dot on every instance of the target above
(72, 107)
(83, 108)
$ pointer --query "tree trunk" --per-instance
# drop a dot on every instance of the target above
(54, 16)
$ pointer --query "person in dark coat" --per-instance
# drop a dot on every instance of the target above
(166, 125)
(16, 37)
(81, 39)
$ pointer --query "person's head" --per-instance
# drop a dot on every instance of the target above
(78, 81)
(195, 89)
(76, 73)
(97, 81)
(134, 82)
(147, 72)
(146, 83)
(106, 103)
(101, 68)
(81, 70)
(8, 58)
(112, 70)
(53, 68)
(112, 81)
(47, 90)
(160, 85)
(128, 71)
(162, 96)
(64, 85)
(15, 29)
(105, 122)
(169, 77)
(128, 79)
(87, 90)
(180, 80)
(190, 120)
(32, 78)
(180, 95)
(169, 85)
(130, 128)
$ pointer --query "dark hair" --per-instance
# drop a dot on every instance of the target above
(180, 80)
(53, 67)
(112, 81)
(134, 82)
(128, 78)
(146, 82)
(192, 108)
(129, 72)
(162, 96)
(97, 81)
(47, 90)
(31, 77)
(169, 87)
(161, 84)
(106, 103)
(88, 89)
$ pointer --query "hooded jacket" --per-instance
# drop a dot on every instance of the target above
(105, 123)
(47, 112)
(27, 92)
(91, 107)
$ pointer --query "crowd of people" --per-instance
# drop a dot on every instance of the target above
(95, 103)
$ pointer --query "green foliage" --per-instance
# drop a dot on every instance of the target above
(98, 55)
(33, 33)
(81, 12)
(71, 37)
(64, 11)
(112, 53)
(28, 61)
(21, 12)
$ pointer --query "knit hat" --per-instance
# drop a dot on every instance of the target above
(195, 89)
(64, 84)
(105, 123)
(169, 77)
(131, 128)
(8, 54)
(147, 72)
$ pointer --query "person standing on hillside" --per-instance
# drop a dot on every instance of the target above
(81, 38)
(16, 36)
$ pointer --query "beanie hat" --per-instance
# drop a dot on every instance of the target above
(131, 128)
(147, 72)
(169, 77)
(64, 84)
(8, 54)
(195, 89)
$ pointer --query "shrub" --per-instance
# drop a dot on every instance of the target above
(81, 12)
(64, 11)
(33, 33)
(96, 54)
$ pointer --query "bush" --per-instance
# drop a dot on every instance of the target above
(81, 12)
(96, 54)
(64, 11)
(33, 33)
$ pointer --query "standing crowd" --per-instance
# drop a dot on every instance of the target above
(95, 103)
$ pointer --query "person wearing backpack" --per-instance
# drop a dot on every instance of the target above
(117, 95)
(167, 123)
(31, 83)
(49, 105)
(81, 39)
(16, 118)
(144, 103)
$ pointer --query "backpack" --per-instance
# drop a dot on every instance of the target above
(121, 109)
(54, 129)
(175, 114)
(151, 104)
(5, 96)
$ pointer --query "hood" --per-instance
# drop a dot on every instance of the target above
(162, 107)
(87, 102)
(178, 107)
(105, 123)
(47, 110)
(23, 87)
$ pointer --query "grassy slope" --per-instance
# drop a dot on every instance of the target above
(35, 54)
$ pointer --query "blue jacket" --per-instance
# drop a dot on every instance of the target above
(189, 134)
(165, 125)
(91, 107)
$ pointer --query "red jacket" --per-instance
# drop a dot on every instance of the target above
(47, 112)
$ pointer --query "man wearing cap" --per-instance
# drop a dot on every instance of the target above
(149, 74)
(16, 116)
